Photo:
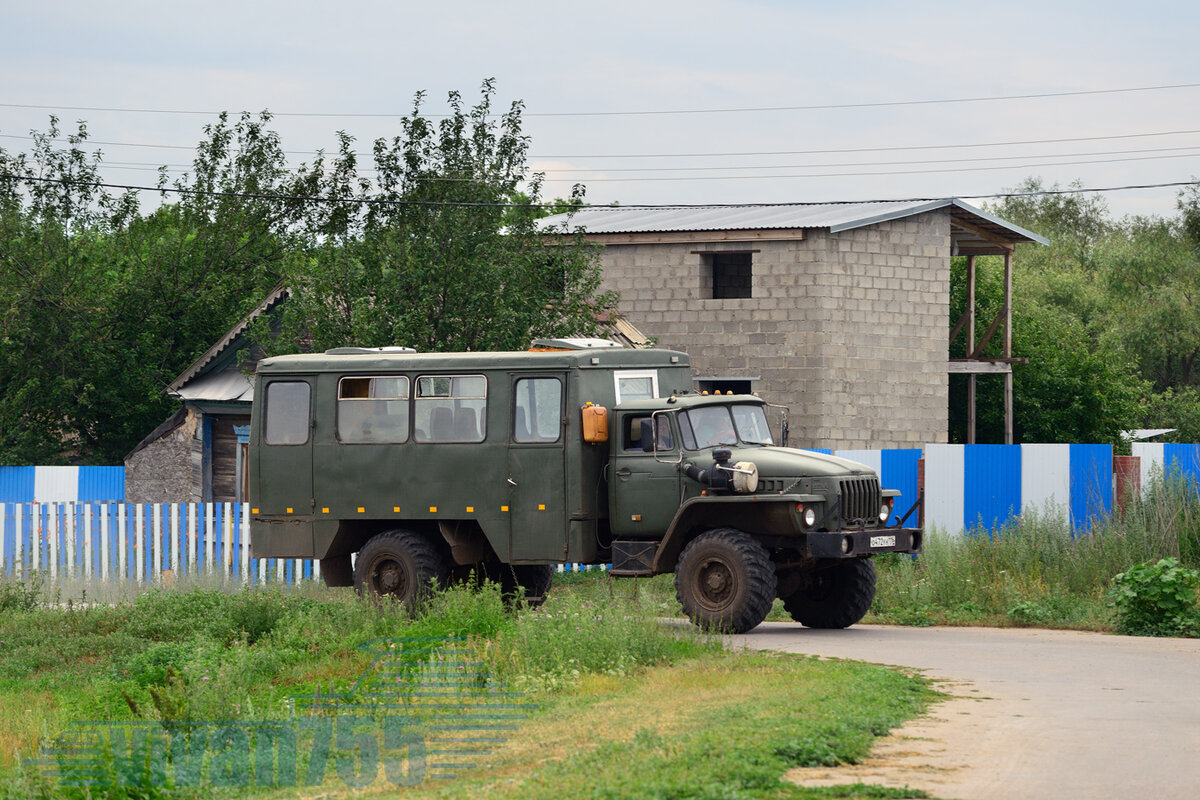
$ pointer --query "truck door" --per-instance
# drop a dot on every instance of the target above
(285, 458)
(643, 489)
(537, 502)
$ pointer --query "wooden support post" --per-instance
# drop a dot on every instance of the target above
(1008, 376)
(970, 348)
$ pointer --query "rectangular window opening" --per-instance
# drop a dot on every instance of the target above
(450, 408)
(537, 410)
(287, 412)
(373, 410)
(728, 276)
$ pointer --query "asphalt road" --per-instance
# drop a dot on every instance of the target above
(1037, 714)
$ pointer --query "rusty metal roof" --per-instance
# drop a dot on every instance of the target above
(973, 230)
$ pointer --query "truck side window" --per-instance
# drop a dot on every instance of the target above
(373, 410)
(286, 413)
(537, 410)
(634, 384)
(450, 408)
(632, 437)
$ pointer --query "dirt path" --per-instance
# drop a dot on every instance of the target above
(1035, 714)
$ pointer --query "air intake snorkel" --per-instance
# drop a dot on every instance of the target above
(741, 478)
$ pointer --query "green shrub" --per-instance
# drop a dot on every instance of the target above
(1157, 599)
(21, 595)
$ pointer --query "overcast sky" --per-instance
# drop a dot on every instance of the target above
(573, 61)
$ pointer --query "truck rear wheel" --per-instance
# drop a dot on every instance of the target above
(725, 580)
(834, 597)
(400, 564)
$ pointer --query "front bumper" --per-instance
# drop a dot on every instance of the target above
(856, 543)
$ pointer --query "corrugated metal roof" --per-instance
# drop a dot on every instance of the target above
(836, 217)
(226, 386)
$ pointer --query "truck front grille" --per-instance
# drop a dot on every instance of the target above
(860, 500)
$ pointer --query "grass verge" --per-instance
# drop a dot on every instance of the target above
(617, 704)
(1038, 571)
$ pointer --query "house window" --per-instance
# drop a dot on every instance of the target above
(725, 385)
(729, 275)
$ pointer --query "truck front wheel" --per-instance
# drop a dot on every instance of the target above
(400, 564)
(725, 580)
(833, 597)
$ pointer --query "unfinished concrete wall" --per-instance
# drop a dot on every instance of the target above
(848, 330)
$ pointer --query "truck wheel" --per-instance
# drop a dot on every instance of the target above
(400, 564)
(725, 580)
(535, 579)
(836, 597)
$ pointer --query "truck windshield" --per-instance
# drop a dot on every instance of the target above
(751, 422)
(712, 426)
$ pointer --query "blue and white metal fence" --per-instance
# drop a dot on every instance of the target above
(62, 484)
(985, 485)
(49, 521)
(149, 543)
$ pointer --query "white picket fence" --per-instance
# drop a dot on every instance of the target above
(148, 543)
(144, 544)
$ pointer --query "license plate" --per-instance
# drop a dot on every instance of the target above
(883, 541)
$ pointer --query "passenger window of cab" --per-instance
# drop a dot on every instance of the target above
(450, 408)
(537, 410)
(632, 439)
(373, 410)
(287, 413)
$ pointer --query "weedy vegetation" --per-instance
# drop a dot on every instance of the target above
(1039, 571)
(619, 703)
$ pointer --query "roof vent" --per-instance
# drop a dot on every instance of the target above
(572, 344)
(368, 351)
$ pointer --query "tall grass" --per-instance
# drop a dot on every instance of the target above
(175, 657)
(1039, 570)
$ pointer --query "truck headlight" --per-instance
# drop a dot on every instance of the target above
(885, 511)
(808, 515)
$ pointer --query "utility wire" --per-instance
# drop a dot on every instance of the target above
(576, 170)
(832, 151)
(658, 112)
(644, 206)
(791, 176)
(882, 173)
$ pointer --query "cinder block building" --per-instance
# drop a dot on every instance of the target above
(838, 311)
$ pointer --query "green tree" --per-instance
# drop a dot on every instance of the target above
(1081, 383)
(441, 252)
(104, 305)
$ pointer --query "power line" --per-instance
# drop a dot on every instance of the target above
(384, 201)
(655, 112)
(882, 104)
(893, 148)
(368, 170)
(884, 173)
(138, 167)
(875, 163)
(745, 153)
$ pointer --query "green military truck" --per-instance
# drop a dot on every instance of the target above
(399, 470)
